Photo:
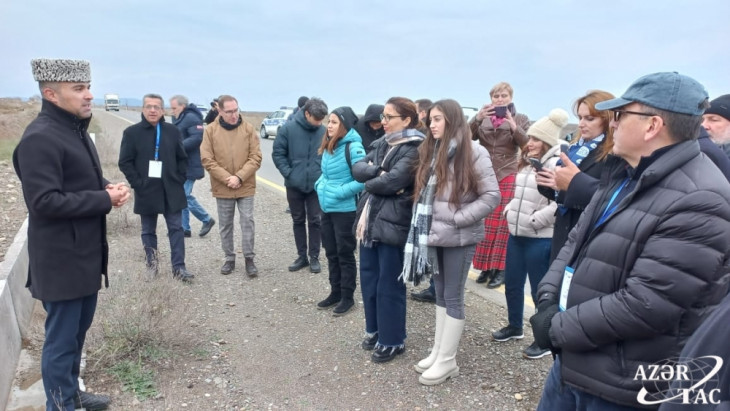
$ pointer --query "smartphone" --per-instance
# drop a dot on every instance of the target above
(500, 111)
(536, 164)
(564, 148)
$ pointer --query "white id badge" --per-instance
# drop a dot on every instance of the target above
(155, 169)
(567, 278)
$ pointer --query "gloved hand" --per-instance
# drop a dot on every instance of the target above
(541, 324)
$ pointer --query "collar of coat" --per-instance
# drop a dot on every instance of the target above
(64, 117)
(148, 124)
(654, 167)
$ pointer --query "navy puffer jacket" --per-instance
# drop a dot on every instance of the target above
(190, 124)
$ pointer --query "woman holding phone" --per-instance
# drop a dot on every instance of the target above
(501, 130)
(530, 217)
(576, 174)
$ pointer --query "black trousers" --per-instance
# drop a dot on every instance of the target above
(66, 326)
(339, 245)
(306, 214)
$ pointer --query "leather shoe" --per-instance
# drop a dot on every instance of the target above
(343, 307)
(497, 279)
(187, 233)
(425, 296)
(385, 354)
(91, 402)
(299, 263)
(206, 227)
(183, 275)
(369, 342)
(314, 265)
(251, 269)
(228, 267)
(484, 276)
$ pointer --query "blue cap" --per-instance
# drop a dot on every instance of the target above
(666, 91)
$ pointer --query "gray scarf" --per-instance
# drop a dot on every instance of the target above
(419, 259)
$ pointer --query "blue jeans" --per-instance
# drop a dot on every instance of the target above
(526, 256)
(383, 295)
(66, 326)
(559, 397)
(193, 207)
(174, 233)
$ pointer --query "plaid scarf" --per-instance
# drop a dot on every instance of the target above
(419, 259)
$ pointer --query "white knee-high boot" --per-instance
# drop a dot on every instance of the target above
(445, 365)
(427, 362)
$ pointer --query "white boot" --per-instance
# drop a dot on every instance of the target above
(427, 362)
(445, 365)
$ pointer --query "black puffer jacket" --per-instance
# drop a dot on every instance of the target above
(390, 194)
(190, 124)
(295, 153)
(575, 198)
(646, 278)
(368, 134)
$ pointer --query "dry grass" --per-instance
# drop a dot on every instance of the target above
(15, 115)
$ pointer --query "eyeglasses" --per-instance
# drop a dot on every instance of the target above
(151, 107)
(387, 117)
(618, 113)
(229, 112)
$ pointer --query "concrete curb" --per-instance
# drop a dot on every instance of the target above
(16, 308)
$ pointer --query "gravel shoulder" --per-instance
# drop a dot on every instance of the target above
(262, 344)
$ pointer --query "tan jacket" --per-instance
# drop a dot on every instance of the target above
(231, 152)
(502, 143)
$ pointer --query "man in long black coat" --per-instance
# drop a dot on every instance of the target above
(154, 162)
(67, 199)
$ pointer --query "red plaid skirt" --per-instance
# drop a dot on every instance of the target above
(491, 252)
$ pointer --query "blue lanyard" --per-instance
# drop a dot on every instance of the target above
(157, 143)
(608, 211)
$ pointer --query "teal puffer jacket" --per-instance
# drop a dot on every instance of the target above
(336, 189)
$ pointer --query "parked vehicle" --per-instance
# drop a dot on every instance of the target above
(273, 122)
(469, 112)
(203, 109)
(111, 102)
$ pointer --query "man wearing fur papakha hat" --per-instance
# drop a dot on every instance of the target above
(68, 199)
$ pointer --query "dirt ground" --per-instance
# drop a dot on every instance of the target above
(234, 343)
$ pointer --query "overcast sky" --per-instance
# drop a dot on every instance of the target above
(268, 53)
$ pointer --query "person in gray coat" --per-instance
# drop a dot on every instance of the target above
(295, 156)
(455, 189)
(647, 261)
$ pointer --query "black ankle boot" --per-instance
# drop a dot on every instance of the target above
(343, 307)
(484, 276)
(328, 302)
(299, 263)
(497, 279)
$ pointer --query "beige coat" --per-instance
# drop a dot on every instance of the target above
(231, 152)
(529, 213)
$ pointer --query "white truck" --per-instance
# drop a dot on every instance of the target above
(111, 102)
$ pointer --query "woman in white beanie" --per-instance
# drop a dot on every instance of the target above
(530, 218)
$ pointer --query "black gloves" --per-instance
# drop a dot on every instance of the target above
(540, 322)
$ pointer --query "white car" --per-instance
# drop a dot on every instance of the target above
(203, 110)
(273, 122)
(469, 113)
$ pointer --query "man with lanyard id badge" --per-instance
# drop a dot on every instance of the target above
(648, 260)
(154, 162)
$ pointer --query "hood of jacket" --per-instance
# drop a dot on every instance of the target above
(302, 120)
(190, 110)
(350, 137)
(373, 113)
(553, 152)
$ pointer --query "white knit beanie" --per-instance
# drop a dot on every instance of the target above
(548, 128)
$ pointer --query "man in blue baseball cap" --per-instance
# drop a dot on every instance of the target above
(646, 263)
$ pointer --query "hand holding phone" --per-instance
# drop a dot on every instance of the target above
(500, 111)
(536, 164)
